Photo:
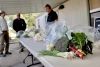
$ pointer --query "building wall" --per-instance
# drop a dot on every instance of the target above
(40, 21)
(94, 8)
(76, 12)
(94, 4)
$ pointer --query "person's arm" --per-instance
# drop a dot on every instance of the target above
(14, 25)
(24, 25)
(56, 16)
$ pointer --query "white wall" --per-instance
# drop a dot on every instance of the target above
(41, 21)
(75, 13)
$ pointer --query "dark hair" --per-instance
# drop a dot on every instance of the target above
(47, 5)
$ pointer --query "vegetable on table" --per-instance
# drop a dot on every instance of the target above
(80, 53)
(79, 39)
(80, 44)
(50, 47)
(39, 36)
(68, 55)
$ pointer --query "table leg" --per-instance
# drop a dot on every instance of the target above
(34, 64)
(33, 59)
(22, 48)
(28, 56)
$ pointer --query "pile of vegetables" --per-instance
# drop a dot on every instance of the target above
(79, 46)
(68, 55)
(52, 52)
(39, 36)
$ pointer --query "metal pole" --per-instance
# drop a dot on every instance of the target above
(88, 2)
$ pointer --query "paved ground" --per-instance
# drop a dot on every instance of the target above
(16, 59)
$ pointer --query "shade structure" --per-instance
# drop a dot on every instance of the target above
(27, 6)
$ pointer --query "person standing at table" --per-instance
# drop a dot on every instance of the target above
(52, 18)
(19, 24)
(4, 35)
(52, 15)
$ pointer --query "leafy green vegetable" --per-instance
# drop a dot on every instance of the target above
(78, 39)
(37, 31)
(50, 53)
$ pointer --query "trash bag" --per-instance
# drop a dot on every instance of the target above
(19, 33)
(55, 31)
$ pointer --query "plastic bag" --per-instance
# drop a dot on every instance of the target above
(48, 28)
(55, 31)
(25, 34)
(19, 33)
(91, 32)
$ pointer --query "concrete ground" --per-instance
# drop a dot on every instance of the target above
(16, 59)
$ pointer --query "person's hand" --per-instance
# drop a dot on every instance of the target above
(4, 31)
(56, 20)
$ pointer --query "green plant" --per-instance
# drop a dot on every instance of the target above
(49, 53)
(78, 39)
(37, 31)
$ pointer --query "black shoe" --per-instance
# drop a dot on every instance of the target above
(2, 55)
(8, 53)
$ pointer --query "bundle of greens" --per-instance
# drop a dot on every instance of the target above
(80, 44)
(68, 55)
(48, 53)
